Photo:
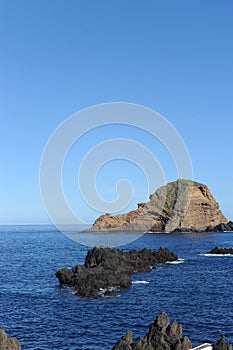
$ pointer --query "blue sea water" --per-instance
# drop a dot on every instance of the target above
(198, 291)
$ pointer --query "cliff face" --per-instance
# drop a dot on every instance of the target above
(181, 205)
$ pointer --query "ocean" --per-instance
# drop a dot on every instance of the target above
(197, 291)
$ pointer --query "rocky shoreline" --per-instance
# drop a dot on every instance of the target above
(163, 335)
(106, 270)
(7, 342)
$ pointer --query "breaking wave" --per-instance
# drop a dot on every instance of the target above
(179, 261)
(208, 254)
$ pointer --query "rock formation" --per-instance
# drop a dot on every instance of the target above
(106, 269)
(182, 205)
(161, 336)
(222, 345)
(221, 227)
(8, 343)
(221, 251)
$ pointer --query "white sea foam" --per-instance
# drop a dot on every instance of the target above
(140, 282)
(205, 346)
(208, 254)
(179, 261)
(102, 291)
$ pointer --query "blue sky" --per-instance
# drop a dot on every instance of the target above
(58, 57)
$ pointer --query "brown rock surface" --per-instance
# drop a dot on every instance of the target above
(8, 343)
(182, 205)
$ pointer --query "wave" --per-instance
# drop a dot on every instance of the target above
(140, 282)
(205, 346)
(208, 254)
(103, 292)
(179, 261)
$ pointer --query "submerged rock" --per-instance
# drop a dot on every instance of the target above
(8, 343)
(107, 269)
(161, 336)
(221, 251)
(182, 206)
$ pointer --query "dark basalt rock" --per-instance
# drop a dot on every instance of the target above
(8, 343)
(228, 227)
(221, 251)
(224, 227)
(106, 269)
(184, 230)
(161, 336)
(222, 345)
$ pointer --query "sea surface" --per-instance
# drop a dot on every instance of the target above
(197, 291)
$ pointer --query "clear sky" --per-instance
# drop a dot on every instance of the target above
(58, 57)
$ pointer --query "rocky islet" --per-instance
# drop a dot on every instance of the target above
(221, 251)
(182, 205)
(107, 269)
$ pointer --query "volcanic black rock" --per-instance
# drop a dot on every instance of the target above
(223, 227)
(221, 251)
(161, 336)
(106, 269)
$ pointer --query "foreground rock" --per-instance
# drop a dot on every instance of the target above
(182, 205)
(222, 345)
(8, 343)
(106, 269)
(161, 336)
(221, 251)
